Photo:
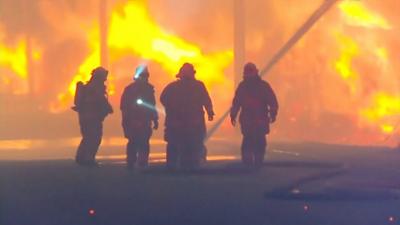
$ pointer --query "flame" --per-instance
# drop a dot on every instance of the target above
(382, 54)
(83, 74)
(15, 58)
(14, 65)
(349, 49)
(357, 14)
(384, 111)
(388, 129)
(383, 105)
(348, 59)
(135, 31)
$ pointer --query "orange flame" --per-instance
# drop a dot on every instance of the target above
(349, 50)
(383, 107)
(14, 58)
(135, 32)
(83, 74)
(357, 14)
(383, 110)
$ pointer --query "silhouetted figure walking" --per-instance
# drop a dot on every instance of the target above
(138, 112)
(91, 103)
(185, 128)
(259, 106)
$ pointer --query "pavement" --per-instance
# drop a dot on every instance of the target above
(300, 183)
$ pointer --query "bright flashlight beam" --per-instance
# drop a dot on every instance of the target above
(139, 101)
(149, 106)
(288, 45)
(139, 70)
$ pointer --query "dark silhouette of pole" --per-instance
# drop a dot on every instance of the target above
(299, 34)
(326, 5)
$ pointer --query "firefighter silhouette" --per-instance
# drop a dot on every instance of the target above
(138, 114)
(257, 102)
(185, 100)
(91, 103)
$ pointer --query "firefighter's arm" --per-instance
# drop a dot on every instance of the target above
(165, 95)
(124, 112)
(122, 103)
(235, 106)
(125, 123)
(102, 98)
(154, 111)
(110, 109)
(272, 104)
(207, 103)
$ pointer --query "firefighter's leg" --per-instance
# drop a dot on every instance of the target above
(185, 156)
(188, 152)
(247, 150)
(81, 157)
(131, 153)
(203, 151)
(82, 154)
(144, 151)
(198, 152)
(203, 155)
(192, 153)
(95, 136)
(172, 154)
(259, 151)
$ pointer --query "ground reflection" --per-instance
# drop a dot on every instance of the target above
(159, 157)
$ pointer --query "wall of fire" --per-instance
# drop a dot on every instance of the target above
(339, 84)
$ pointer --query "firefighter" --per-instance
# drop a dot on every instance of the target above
(91, 103)
(257, 102)
(185, 100)
(139, 116)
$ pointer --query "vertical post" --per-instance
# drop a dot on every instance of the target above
(103, 24)
(239, 47)
(26, 18)
(29, 66)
